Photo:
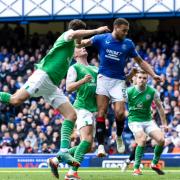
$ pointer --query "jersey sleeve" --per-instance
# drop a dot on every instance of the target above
(71, 75)
(133, 53)
(96, 40)
(66, 35)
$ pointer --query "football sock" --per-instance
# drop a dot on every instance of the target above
(100, 130)
(72, 150)
(5, 97)
(66, 131)
(157, 153)
(81, 150)
(120, 127)
(138, 155)
(132, 155)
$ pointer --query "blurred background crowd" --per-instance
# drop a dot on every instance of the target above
(34, 127)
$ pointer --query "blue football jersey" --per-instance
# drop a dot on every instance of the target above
(113, 54)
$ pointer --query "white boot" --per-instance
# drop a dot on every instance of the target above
(120, 145)
(101, 151)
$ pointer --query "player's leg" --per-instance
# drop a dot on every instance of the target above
(59, 101)
(69, 114)
(119, 96)
(102, 103)
(16, 99)
(140, 138)
(84, 123)
(130, 158)
(158, 136)
(119, 108)
(34, 87)
(81, 150)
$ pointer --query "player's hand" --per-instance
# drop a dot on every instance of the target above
(102, 29)
(157, 78)
(87, 78)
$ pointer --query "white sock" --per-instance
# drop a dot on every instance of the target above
(71, 171)
(64, 150)
(55, 160)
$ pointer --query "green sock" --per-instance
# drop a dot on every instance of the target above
(5, 97)
(66, 131)
(157, 153)
(138, 155)
(72, 150)
(81, 150)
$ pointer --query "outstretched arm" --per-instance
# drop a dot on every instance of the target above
(147, 68)
(84, 43)
(84, 33)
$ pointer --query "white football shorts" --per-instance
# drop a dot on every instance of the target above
(39, 84)
(115, 89)
(146, 127)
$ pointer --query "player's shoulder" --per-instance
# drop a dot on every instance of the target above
(130, 89)
(103, 36)
(128, 41)
(151, 88)
(93, 67)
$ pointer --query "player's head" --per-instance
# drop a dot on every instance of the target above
(120, 28)
(77, 24)
(80, 53)
(141, 78)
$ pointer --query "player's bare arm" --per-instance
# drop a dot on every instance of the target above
(84, 43)
(131, 74)
(83, 33)
(73, 86)
(147, 68)
(161, 113)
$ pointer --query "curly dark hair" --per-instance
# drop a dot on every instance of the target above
(77, 24)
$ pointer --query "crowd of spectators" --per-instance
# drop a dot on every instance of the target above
(34, 127)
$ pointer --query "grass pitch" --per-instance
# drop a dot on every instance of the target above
(88, 174)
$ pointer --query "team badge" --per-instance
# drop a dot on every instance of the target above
(148, 97)
(124, 47)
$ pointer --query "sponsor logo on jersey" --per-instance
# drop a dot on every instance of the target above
(140, 105)
(111, 54)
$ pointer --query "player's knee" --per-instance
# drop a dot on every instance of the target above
(161, 141)
(88, 138)
(15, 101)
(72, 116)
(119, 115)
(101, 112)
(141, 139)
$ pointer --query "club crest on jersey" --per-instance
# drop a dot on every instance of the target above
(107, 42)
(148, 96)
(124, 47)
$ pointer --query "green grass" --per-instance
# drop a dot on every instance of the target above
(88, 174)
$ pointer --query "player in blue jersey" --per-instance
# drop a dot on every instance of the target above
(114, 51)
